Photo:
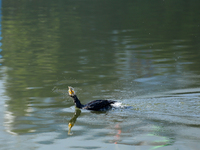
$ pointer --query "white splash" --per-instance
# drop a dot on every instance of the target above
(117, 105)
(120, 105)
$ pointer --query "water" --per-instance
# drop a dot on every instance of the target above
(143, 54)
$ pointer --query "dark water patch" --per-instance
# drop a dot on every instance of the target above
(85, 147)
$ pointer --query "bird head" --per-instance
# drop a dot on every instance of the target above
(71, 91)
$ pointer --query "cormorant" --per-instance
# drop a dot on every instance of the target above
(96, 105)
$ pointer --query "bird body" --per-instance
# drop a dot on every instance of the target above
(96, 105)
(99, 105)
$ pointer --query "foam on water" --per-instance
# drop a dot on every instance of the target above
(120, 105)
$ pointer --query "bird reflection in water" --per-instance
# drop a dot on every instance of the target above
(73, 120)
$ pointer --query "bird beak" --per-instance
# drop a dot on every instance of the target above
(71, 91)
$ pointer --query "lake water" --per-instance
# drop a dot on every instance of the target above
(144, 54)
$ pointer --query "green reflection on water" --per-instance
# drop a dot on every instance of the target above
(52, 42)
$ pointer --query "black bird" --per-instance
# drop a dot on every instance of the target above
(96, 105)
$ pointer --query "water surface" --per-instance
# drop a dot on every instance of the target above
(143, 54)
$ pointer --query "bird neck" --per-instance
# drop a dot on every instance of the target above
(77, 102)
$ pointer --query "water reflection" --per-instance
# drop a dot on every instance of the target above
(73, 120)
